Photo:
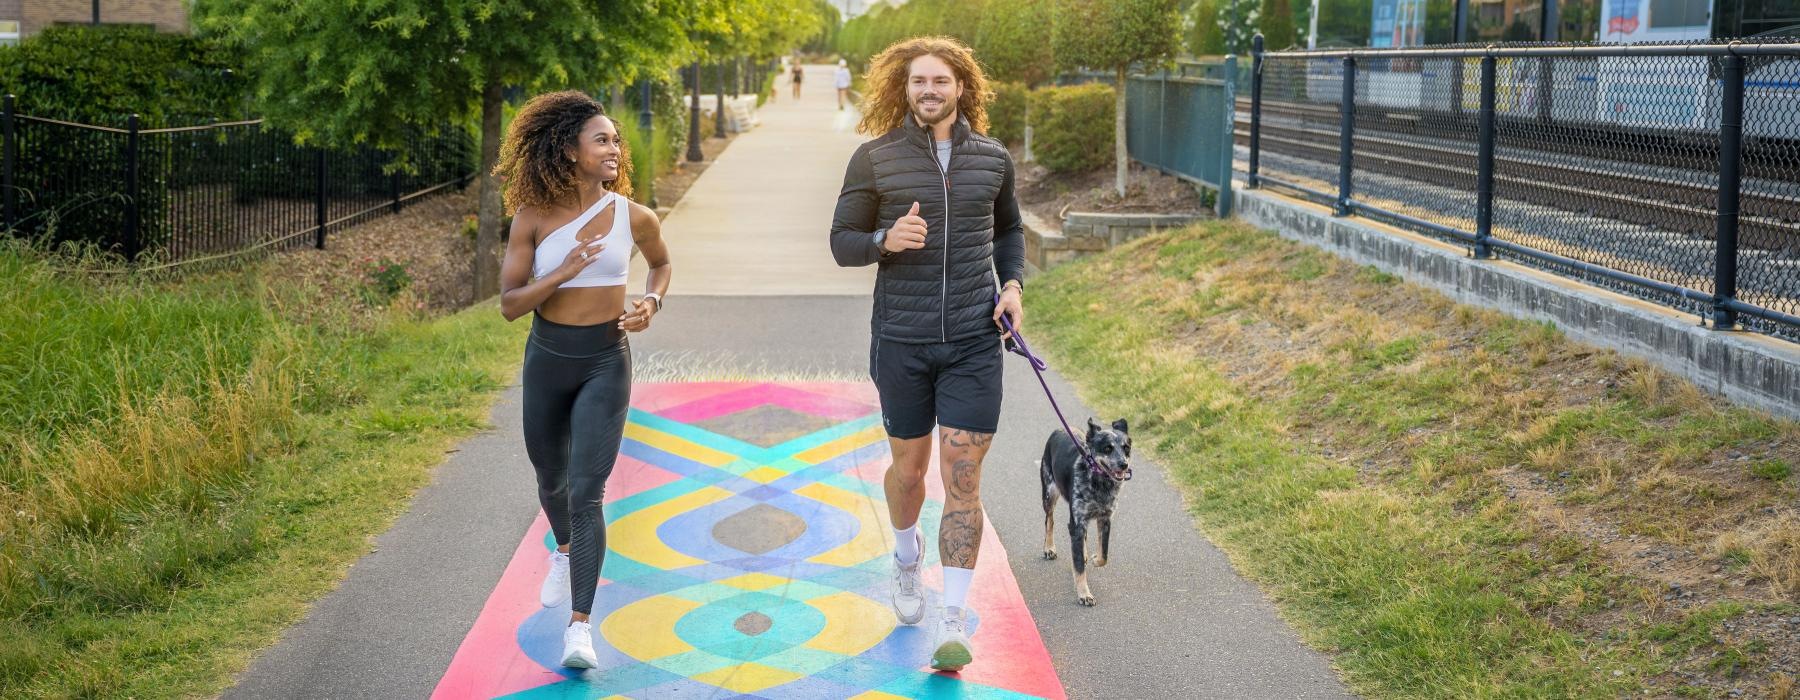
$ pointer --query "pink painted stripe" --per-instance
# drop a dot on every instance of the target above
(757, 395)
(490, 663)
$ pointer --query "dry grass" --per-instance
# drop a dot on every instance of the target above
(1635, 499)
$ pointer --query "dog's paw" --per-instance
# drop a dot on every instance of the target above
(1086, 600)
(1097, 561)
(1049, 554)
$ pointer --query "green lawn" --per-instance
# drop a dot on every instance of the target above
(183, 468)
(1447, 500)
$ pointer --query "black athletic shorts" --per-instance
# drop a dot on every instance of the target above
(954, 384)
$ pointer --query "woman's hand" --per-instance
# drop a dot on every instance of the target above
(583, 255)
(638, 318)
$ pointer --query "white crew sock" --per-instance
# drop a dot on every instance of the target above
(906, 545)
(956, 586)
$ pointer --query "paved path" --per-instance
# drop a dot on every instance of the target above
(436, 607)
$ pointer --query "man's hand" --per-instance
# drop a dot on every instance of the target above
(907, 233)
(638, 318)
(1011, 305)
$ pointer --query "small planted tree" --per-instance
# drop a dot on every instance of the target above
(1113, 35)
(345, 73)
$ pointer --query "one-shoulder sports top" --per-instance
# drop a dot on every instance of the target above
(615, 261)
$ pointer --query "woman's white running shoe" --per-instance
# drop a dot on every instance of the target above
(578, 646)
(556, 584)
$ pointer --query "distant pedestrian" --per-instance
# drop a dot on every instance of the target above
(798, 76)
(843, 83)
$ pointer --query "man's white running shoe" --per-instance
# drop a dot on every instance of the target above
(953, 648)
(909, 590)
(578, 646)
(556, 584)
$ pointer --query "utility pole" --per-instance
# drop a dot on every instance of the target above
(1312, 27)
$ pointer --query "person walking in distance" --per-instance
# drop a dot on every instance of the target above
(842, 78)
(930, 202)
(797, 76)
(568, 257)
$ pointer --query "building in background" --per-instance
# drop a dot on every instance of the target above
(23, 18)
(1344, 23)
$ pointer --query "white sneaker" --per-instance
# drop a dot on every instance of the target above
(556, 584)
(953, 648)
(909, 590)
(578, 646)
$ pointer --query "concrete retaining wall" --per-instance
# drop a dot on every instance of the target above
(1083, 234)
(1744, 367)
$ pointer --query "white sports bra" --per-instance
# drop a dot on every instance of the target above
(615, 261)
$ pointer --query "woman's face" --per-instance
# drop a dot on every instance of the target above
(598, 151)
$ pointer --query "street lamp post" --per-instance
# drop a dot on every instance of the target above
(647, 123)
(719, 102)
(694, 155)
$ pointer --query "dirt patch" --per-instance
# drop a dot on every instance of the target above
(1049, 194)
(429, 241)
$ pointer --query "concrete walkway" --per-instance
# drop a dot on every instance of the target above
(1174, 620)
(755, 223)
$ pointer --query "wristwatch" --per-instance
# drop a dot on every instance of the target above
(653, 296)
(880, 238)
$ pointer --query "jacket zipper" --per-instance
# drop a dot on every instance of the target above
(943, 279)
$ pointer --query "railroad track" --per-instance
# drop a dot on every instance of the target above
(1766, 221)
(1771, 159)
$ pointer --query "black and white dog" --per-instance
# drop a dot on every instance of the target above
(1091, 490)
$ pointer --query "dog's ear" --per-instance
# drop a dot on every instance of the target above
(1093, 426)
(1119, 425)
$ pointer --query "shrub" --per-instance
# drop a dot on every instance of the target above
(383, 280)
(100, 75)
(1072, 127)
(1006, 115)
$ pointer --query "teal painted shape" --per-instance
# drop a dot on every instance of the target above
(599, 683)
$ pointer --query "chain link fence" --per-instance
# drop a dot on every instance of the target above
(1666, 171)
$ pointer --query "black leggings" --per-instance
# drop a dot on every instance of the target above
(577, 383)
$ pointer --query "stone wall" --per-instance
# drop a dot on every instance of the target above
(1085, 233)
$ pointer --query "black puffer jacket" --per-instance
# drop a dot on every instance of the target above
(938, 293)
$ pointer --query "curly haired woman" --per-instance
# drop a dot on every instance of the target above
(568, 256)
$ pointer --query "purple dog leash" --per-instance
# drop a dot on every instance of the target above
(1038, 365)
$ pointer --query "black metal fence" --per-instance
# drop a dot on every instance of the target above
(181, 195)
(1666, 171)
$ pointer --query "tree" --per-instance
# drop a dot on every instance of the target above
(1278, 24)
(1112, 35)
(342, 73)
(1009, 41)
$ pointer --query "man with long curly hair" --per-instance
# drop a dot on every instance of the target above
(930, 201)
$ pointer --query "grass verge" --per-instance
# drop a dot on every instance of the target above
(183, 468)
(1452, 502)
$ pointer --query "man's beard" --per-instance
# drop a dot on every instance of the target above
(946, 111)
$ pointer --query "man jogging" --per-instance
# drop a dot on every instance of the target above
(930, 201)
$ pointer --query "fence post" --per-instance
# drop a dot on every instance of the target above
(1222, 205)
(719, 101)
(1256, 87)
(394, 189)
(320, 210)
(11, 159)
(1484, 166)
(1731, 140)
(1347, 112)
(132, 244)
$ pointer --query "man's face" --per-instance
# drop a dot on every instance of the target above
(932, 90)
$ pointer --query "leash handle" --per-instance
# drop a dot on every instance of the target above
(1017, 345)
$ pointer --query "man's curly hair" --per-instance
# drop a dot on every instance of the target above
(534, 167)
(885, 107)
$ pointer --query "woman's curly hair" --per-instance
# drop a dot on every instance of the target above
(885, 107)
(534, 167)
